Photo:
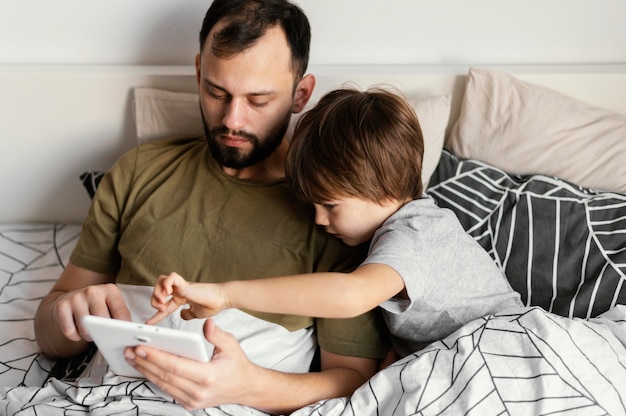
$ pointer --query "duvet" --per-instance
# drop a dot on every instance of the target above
(519, 362)
(524, 361)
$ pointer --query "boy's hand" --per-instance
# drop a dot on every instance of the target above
(172, 291)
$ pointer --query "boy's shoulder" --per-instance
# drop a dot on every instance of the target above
(424, 214)
(425, 204)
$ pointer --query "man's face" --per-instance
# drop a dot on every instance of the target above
(246, 100)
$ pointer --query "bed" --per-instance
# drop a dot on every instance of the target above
(530, 159)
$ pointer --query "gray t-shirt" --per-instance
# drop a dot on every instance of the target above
(449, 278)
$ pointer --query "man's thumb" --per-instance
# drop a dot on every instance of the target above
(221, 340)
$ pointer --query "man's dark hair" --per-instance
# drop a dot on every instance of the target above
(248, 20)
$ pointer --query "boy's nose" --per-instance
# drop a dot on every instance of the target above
(320, 217)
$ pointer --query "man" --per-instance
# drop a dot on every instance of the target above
(214, 210)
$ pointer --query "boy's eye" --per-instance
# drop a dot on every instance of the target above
(328, 205)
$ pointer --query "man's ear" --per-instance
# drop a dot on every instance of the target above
(304, 89)
(198, 68)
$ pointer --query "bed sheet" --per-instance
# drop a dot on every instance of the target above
(518, 362)
(32, 256)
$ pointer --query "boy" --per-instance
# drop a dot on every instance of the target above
(357, 157)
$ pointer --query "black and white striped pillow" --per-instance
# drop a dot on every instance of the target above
(91, 179)
(561, 246)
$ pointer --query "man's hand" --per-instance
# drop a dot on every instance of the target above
(172, 290)
(104, 300)
(196, 385)
(230, 377)
(78, 292)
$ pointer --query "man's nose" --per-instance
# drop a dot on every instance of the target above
(235, 115)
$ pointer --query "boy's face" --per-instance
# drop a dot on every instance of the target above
(353, 220)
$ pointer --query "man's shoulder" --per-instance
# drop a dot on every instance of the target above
(175, 145)
(164, 151)
(148, 160)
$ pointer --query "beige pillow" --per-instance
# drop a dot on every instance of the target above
(526, 129)
(160, 114)
(434, 114)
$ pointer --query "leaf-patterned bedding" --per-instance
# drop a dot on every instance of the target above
(525, 361)
(561, 246)
(32, 257)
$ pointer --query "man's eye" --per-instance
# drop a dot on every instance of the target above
(258, 104)
(216, 93)
(217, 96)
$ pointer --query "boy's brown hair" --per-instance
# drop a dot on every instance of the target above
(357, 144)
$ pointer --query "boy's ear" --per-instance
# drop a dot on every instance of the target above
(303, 93)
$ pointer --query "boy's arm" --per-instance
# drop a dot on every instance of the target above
(322, 295)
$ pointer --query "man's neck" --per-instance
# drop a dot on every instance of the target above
(270, 169)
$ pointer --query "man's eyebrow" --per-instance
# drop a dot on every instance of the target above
(259, 93)
(263, 93)
(211, 84)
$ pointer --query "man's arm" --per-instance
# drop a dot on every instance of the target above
(78, 292)
(231, 378)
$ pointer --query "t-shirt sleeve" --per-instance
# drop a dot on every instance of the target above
(362, 336)
(390, 248)
(96, 249)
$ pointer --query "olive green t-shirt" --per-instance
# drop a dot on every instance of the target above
(167, 206)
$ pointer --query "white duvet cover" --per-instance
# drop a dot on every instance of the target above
(519, 362)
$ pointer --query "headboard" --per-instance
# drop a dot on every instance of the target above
(59, 121)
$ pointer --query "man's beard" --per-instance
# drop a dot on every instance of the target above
(235, 158)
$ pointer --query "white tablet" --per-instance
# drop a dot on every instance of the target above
(112, 336)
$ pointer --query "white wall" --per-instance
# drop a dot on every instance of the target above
(66, 73)
(344, 31)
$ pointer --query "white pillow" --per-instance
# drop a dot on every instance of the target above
(160, 114)
(526, 129)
